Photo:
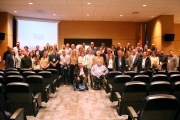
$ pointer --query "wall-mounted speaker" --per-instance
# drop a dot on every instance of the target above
(2, 36)
(169, 37)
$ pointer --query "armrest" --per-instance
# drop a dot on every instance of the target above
(38, 99)
(54, 81)
(18, 114)
(132, 112)
(48, 87)
(118, 95)
(110, 87)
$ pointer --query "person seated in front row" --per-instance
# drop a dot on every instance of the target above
(81, 73)
(98, 71)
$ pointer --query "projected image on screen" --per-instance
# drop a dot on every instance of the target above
(32, 33)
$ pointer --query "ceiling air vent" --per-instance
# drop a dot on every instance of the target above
(39, 11)
(135, 12)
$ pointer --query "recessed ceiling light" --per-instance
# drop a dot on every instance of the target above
(30, 3)
(121, 15)
(152, 16)
(88, 3)
(15, 11)
(144, 5)
(87, 14)
(54, 14)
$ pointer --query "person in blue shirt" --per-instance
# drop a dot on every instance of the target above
(98, 71)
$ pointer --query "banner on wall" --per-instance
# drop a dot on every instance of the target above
(140, 35)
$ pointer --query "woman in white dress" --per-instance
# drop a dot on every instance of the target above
(82, 58)
(89, 58)
(44, 62)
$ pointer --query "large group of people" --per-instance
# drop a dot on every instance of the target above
(90, 61)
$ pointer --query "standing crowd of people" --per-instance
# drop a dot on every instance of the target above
(90, 61)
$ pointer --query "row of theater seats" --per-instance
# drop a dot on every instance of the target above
(26, 89)
(154, 97)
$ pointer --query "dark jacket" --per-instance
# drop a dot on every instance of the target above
(114, 64)
(77, 71)
(9, 61)
(136, 61)
(26, 62)
(164, 61)
(123, 66)
(57, 58)
(147, 64)
(40, 53)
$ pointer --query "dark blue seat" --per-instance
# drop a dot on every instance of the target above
(20, 96)
(3, 96)
(2, 80)
(18, 115)
(110, 79)
(155, 107)
(159, 77)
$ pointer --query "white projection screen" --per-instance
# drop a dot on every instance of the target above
(31, 33)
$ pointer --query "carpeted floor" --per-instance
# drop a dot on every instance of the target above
(67, 104)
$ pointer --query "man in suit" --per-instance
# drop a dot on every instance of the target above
(136, 59)
(54, 60)
(93, 48)
(104, 50)
(81, 73)
(120, 62)
(144, 63)
(37, 51)
(173, 62)
(44, 51)
(139, 45)
(5, 54)
(26, 61)
(163, 60)
(179, 60)
(10, 59)
(153, 48)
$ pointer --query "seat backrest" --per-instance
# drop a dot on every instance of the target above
(23, 69)
(159, 87)
(3, 96)
(2, 113)
(12, 73)
(27, 73)
(131, 73)
(158, 107)
(174, 78)
(176, 90)
(2, 80)
(14, 78)
(19, 92)
(2, 73)
(132, 95)
(36, 83)
(159, 77)
(119, 81)
(111, 76)
(1, 69)
(11, 69)
(160, 72)
(54, 73)
(47, 77)
(171, 72)
(142, 78)
(37, 71)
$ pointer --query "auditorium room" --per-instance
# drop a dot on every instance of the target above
(89, 60)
